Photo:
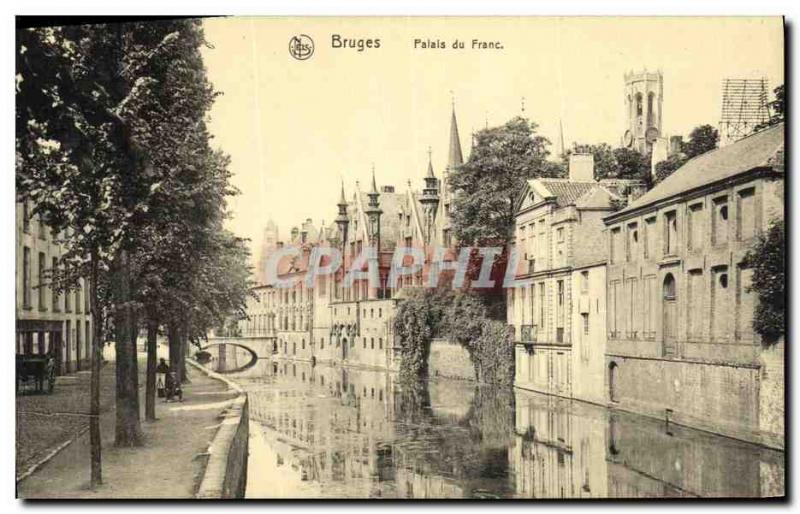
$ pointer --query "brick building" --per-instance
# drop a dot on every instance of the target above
(680, 338)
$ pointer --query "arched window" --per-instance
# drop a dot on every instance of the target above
(669, 287)
(650, 102)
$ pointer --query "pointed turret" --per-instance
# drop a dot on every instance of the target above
(454, 157)
(373, 212)
(341, 219)
(430, 198)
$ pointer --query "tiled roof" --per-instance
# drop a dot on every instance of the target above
(565, 191)
(755, 151)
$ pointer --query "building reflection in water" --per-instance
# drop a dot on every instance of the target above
(320, 431)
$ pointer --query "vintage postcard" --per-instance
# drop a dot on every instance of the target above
(400, 258)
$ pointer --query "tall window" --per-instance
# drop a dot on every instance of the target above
(78, 298)
(720, 306)
(670, 233)
(695, 226)
(633, 316)
(55, 297)
(541, 307)
(694, 304)
(745, 303)
(40, 282)
(649, 306)
(542, 244)
(560, 304)
(616, 247)
(746, 218)
(650, 237)
(560, 257)
(632, 248)
(585, 336)
(26, 277)
(720, 221)
(26, 217)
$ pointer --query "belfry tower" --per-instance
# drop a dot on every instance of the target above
(644, 97)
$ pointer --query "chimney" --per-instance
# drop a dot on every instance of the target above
(675, 144)
(581, 165)
(387, 189)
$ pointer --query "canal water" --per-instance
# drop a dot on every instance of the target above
(336, 432)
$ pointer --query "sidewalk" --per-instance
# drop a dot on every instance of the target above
(167, 466)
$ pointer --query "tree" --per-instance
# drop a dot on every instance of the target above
(113, 151)
(702, 139)
(631, 164)
(71, 163)
(667, 167)
(612, 162)
(769, 281)
(489, 184)
(777, 109)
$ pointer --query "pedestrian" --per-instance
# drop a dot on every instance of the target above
(161, 378)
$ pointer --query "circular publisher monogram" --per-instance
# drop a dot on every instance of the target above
(301, 47)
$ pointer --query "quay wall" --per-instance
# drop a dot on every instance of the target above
(743, 401)
(225, 476)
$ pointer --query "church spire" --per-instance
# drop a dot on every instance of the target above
(374, 187)
(430, 164)
(455, 157)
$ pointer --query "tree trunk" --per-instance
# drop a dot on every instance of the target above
(94, 391)
(128, 430)
(183, 377)
(150, 388)
(173, 338)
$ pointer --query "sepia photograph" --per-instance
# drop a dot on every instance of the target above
(400, 258)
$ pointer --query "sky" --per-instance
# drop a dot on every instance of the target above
(296, 128)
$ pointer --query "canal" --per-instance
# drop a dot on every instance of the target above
(336, 432)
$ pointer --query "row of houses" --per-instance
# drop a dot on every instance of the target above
(645, 308)
(648, 308)
(353, 325)
(47, 322)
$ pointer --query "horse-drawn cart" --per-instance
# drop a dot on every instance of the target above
(36, 370)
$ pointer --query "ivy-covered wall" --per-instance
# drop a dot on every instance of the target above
(459, 317)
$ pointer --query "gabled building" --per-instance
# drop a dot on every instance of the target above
(557, 307)
(362, 317)
(680, 340)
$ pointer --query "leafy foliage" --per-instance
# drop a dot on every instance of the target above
(461, 317)
(612, 162)
(667, 167)
(487, 186)
(767, 258)
(777, 108)
(702, 139)
(113, 152)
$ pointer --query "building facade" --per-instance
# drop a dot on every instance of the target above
(47, 321)
(557, 306)
(680, 339)
(353, 324)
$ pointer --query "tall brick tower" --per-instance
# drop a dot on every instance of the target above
(644, 97)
